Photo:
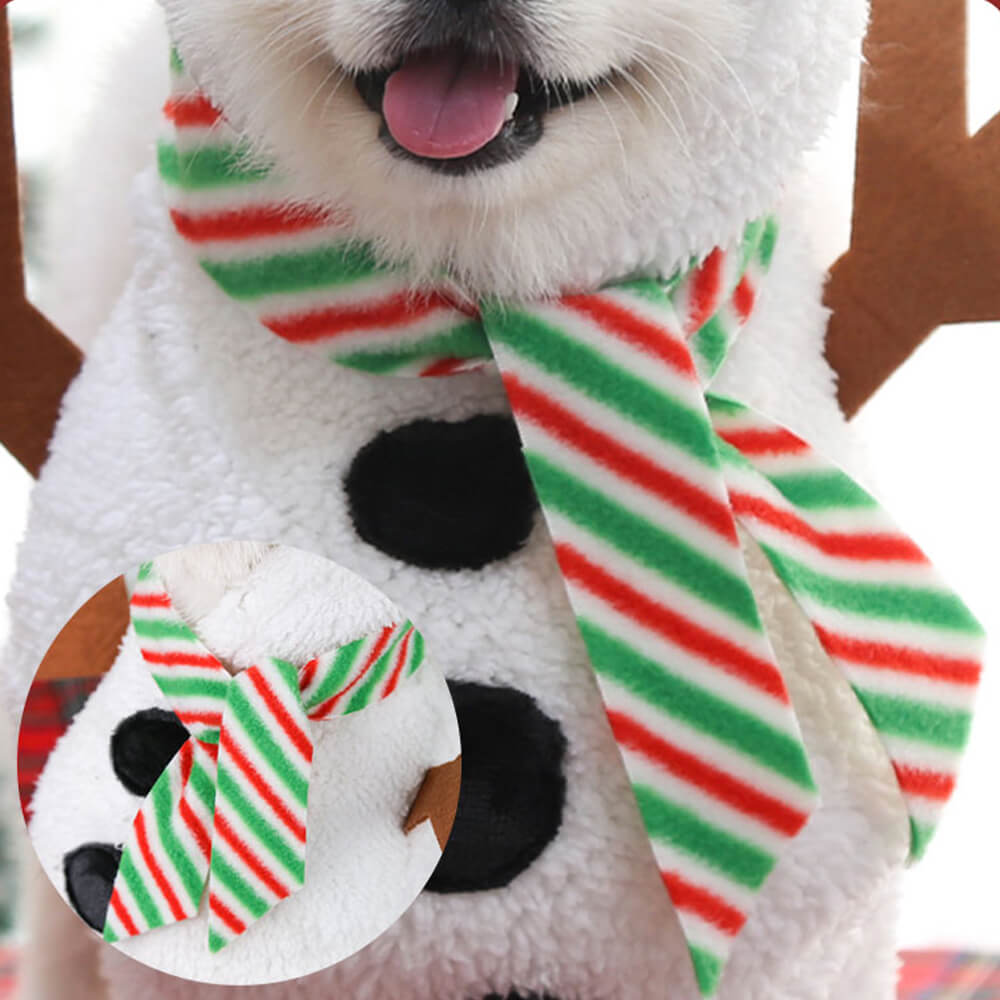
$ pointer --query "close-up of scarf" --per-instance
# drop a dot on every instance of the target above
(230, 811)
(643, 476)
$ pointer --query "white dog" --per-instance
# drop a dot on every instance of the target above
(643, 133)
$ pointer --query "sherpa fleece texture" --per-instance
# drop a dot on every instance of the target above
(219, 430)
(362, 871)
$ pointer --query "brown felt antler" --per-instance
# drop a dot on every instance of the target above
(37, 363)
(925, 249)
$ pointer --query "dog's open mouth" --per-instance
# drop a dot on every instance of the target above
(456, 111)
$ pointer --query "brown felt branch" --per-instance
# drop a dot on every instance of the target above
(925, 247)
(37, 362)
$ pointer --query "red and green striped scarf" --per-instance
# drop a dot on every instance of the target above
(230, 810)
(642, 477)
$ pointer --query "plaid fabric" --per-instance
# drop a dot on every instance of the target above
(48, 712)
(949, 975)
(8, 972)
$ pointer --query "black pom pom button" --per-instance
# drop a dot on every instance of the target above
(143, 745)
(90, 873)
(513, 789)
(444, 496)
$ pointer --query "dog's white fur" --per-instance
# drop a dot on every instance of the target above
(259, 437)
(718, 102)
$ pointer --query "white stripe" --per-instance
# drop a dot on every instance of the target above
(708, 808)
(720, 755)
(686, 666)
(899, 683)
(648, 581)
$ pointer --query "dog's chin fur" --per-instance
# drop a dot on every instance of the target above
(724, 97)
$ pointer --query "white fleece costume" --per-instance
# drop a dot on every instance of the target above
(191, 422)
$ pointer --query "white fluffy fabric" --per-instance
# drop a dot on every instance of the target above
(218, 430)
(190, 422)
(363, 871)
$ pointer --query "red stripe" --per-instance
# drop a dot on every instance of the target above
(213, 719)
(123, 915)
(192, 822)
(718, 784)
(181, 659)
(861, 547)
(778, 441)
(744, 298)
(263, 789)
(883, 656)
(300, 741)
(248, 223)
(713, 910)
(197, 828)
(192, 111)
(633, 465)
(446, 366)
(155, 870)
(400, 663)
(247, 856)
(716, 651)
(226, 915)
(653, 338)
(331, 703)
(308, 674)
(926, 784)
(150, 601)
(706, 291)
(325, 324)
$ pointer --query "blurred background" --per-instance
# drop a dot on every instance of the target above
(929, 434)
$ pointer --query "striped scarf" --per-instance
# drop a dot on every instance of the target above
(642, 477)
(230, 810)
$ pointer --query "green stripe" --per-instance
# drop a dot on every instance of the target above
(750, 244)
(416, 653)
(947, 728)
(593, 374)
(768, 242)
(285, 273)
(656, 686)
(889, 602)
(336, 674)
(736, 859)
(140, 894)
(156, 628)
(203, 786)
(646, 543)
(209, 736)
(921, 835)
(823, 490)
(465, 341)
(176, 63)
(192, 687)
(724, 407)
(207, 168)
(145, 571)
(712, 343)
(363, 695)
(289, 675)
(266, 745)
(267, 834)
(238, 886)
(163, 808)
(707, 970)
(215, 942)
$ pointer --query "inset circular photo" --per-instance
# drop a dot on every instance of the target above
(239, 763)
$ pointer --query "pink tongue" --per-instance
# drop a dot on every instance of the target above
(447, 103)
